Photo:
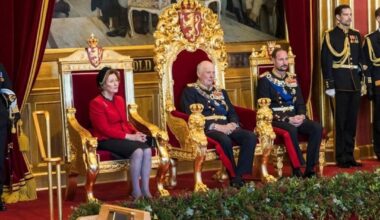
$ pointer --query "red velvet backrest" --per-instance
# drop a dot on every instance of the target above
(184, 71)
(84, 90)
(264, 68)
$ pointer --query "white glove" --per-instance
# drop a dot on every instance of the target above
(330, 92)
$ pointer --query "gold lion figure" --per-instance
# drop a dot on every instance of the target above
(266, 135)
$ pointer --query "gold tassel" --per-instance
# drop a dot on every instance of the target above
(23, 140)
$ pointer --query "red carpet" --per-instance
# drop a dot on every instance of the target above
(112, 192)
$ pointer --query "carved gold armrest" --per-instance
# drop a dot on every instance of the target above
(82, 144)
(190, 134)
(150, 129)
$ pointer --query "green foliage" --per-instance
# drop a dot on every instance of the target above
(85, 209)
(339, 197)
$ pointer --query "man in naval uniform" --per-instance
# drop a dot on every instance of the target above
(342, 57)
(372, 60)
(224, 130)
(5, 100)
(289, 110)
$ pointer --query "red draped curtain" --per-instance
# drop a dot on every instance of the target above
(300, 15)
(25, 26)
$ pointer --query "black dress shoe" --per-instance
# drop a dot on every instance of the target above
(297, 172)
(353, 163)
(237, 182)
(343, 165)
(3, 207)
(309, 174)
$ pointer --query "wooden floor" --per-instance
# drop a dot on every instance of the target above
(72, 32)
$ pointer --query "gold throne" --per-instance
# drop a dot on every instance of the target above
(78, 86)
(187, 33)
(261, 62)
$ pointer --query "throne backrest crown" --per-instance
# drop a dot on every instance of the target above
(187, 33)
(78, 81)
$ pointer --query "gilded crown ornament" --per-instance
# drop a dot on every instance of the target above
(94, 52)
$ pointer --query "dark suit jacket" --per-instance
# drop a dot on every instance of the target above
(342, 79)
(373, 70)
(190, 95)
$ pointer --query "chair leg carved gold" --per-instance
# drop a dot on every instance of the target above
(171, 177)
(278, 159)
(322, 156)
(162, 139)
(92, 167)
(266, 136)
(221, 175)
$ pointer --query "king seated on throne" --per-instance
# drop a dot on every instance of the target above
(222, 122)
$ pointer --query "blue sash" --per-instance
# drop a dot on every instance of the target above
(288, 98)
(219, 108)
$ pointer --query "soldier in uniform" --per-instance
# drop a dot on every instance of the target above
(372, 59)
(341, 59)
(224, 130)
(5, 86)
(289, 110)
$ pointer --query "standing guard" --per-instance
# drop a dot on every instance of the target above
(342, 58)
(372, 59)
(9, 114)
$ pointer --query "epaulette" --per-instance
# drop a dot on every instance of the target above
(191, 84)
(369, 34)
(354, 29)
(264, 74)
(290, 74)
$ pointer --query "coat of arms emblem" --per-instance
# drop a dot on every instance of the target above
(94, 52)
(190, 21)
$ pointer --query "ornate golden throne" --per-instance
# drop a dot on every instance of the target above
(78, 87)
(187, 33)
(261, 62)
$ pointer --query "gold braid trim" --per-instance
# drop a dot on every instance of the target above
(333, 51)
(372, 56)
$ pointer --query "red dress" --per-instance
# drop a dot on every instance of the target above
(109, 119)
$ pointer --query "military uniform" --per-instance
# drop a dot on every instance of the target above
(216, 102)
(287, 101)
(4, 125)
(341, 56)
(372, 59)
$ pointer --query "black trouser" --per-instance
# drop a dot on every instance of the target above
(376, 125)
(346, 112)
(3, 144)
(247, 142)
(314, 132)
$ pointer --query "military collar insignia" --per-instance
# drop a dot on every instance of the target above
(289, 80)
(212, 93)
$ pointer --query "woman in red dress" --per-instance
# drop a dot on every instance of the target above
(116, 134)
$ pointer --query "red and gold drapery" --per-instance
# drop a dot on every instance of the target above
(25, 27)
(300, 18)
